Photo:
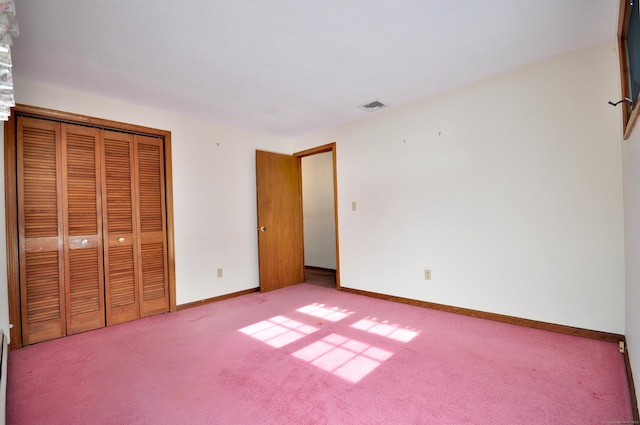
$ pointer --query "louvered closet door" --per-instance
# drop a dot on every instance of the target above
(61, 284)
(153, 244)
(120, 226)
(83, 247)
(40, 230)
(92, 228)
(136, 274)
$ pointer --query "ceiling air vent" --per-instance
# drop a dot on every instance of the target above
(373, 106)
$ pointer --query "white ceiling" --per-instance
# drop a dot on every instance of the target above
(291, 67)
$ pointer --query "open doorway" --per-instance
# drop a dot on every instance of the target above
(319, 216)
(280, 219)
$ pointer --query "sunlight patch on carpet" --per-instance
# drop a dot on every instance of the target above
(332, 314)
(383, 328)
(346, 358)
(278, 331)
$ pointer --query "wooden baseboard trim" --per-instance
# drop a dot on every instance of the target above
(320, 269)
(569, 330)
(216, 299)
(632, 387)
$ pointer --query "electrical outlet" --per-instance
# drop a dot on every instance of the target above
(427, 274)
(219, 273)
(621, 346)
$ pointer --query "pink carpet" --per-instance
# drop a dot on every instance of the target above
(313, 355)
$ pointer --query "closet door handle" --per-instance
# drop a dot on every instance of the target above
(121, 239)
(84, 241)
(262, 228)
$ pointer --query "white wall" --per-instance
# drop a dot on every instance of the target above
(213, 186)
(509, 190)
(318, 209)
(631, 161)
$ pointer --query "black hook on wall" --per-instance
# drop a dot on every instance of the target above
(626, 100)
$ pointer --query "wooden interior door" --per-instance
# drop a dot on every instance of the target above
(120, 227)
(82, 207)
(280, 229)
(40, 230)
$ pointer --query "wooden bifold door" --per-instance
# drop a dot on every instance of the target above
(92, 230)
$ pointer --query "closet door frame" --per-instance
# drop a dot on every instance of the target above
(11, 199)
